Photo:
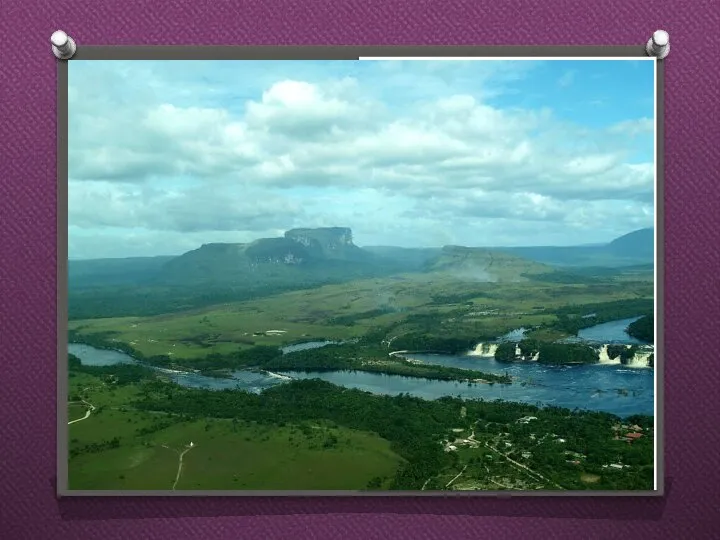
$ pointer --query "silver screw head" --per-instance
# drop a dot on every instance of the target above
(658, 45)
(660, 38)
(63, 46)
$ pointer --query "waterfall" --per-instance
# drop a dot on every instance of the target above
(605, 358)
(640, 359)
(484, 349)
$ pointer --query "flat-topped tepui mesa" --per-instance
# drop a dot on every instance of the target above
(331, 250)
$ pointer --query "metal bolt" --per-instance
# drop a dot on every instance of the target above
(658, 45)
(63, 46)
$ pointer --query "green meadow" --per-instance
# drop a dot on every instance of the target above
(226, 454)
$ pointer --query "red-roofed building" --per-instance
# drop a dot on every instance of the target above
(633, 436)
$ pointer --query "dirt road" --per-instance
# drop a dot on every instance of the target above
(180, 461)
(89, 411)
(458, 476)
(532, 473)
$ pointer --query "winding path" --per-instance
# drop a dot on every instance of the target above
(180, 461)
(89, 411)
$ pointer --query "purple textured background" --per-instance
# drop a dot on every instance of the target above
(29, 509)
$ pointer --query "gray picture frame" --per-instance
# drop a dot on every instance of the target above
(339, 53)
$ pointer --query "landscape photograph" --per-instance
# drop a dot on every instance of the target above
(361, 276)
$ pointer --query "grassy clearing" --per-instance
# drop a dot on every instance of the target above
(226, 454)
(127, 467)
(260, 457)
(589, 478)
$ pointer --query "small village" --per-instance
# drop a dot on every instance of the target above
(497, 453)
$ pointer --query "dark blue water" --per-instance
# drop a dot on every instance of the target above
(615, 389)
(244, 380)
(612, 388)
(240, 380)
(610, 332)
(98, 357)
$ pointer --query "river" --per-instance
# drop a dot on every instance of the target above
(616, 389)
(610, 332)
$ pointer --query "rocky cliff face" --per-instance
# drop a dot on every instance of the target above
(332, 242)
(278, 251)
(301, 246)
(312, 255)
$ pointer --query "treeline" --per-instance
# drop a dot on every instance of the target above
(328, 358)
(567, 353)
(413, 426)
(505, 352)
(422, 342)
(257, 356)
(157, 425)
(643, 329)
(624, 353)
(94, 448)
(548, 353)
(121, 374)
(437, 373)
(356, 357)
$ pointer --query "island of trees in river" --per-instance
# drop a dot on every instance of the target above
(564, 353)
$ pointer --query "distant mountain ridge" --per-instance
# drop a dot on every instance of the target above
(640, 243)
(328, 254)
(217, 273)
(632, 249)
(319, 255)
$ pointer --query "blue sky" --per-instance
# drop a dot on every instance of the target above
(165, 156)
